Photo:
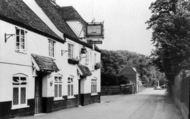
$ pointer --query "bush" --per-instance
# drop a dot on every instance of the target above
(123, 80)
(109, 80)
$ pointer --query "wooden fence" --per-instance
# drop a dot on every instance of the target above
(113, 90)
(110, 90)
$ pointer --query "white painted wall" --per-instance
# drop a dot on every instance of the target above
(86, 83)
(6, 73)
(77, 27)
(8, 49)
(12, 62)
(47, 88)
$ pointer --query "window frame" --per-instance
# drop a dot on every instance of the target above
(22, 45)
(87, 58)
(94, 86)
(19, 86)
(71, 51)
(70, 87)
(95, 58)
(51, 47)
(59, 84)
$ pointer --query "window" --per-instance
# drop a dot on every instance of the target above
(70, 87)
(70, 50)
(94, 85)
(20, 40)
(62, 52)
(51, 48)
(95, 58)
(91, 59)
(87, 58)
(19, 90)
(58, 87)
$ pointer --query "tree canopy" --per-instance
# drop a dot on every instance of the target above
(170, 22)
(114, 61)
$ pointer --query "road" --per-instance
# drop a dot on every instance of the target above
(148, 104)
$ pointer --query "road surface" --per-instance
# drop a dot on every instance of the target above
(148, 104)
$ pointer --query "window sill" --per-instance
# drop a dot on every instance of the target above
(94, 94)
(70, 97)
(21, 51)
(58, 99)
(19, 107)
(53, 57)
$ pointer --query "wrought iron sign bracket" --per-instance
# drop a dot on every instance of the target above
(7, 36)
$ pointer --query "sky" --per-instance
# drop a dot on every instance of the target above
(124, 22)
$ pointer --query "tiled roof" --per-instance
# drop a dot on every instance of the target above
(45, 63)
(69, 13)
(127, 71)
(18, 13)
(84, 70)
(51, 10)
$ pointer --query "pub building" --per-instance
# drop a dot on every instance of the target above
(46, 61)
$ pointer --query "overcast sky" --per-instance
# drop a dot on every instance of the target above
(124, 21)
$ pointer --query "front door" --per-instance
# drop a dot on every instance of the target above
(79, 92)
(38, 95)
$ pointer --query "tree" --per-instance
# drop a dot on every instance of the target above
(170, 22)
(114, 61)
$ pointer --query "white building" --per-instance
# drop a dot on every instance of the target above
(45, 61)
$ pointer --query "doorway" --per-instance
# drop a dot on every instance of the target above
(79, 92)
(80, 95)
(38, 95)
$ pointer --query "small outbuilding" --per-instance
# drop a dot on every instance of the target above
(131, 75)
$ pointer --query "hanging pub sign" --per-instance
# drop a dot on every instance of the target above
(95, 30)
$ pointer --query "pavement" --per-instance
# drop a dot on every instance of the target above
(148, 104)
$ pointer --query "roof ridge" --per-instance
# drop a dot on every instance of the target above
(51, 11)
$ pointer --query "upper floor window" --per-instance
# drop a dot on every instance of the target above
(95, 58)
(58, 87)
(51, 48)
(70, 87)
(19, 90)
(70, 50)
(87, 58)
(20, 40)
(62, 52)
(94, 85)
